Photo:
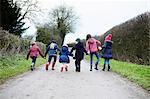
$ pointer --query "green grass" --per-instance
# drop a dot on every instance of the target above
(139, 74)
(15, 65)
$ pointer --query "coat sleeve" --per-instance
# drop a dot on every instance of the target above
(72, 50)
(47, 49)
(98, 43)
(28, 53)
(40, 52)
(87, 46)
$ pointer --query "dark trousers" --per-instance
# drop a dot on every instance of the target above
(77, 64)
(50, 58)
(33, 59)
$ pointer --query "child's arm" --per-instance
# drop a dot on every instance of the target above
(72, 50)
(98, 43)
(87, 46)
(28, 54)
(47, 49)
(58, 49)
(40, 52)
(85, 51)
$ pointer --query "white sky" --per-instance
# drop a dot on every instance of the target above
(98, 16)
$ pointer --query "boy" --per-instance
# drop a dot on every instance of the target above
(79, 54)
(52, 52)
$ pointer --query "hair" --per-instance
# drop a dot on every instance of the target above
(88, 36)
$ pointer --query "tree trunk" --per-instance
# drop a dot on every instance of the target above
(63, 38)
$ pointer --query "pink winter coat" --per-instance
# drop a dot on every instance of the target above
(34, 51)
(108, 37)
(92, 44)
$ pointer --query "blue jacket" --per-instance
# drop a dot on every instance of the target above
(52, 49)
(64, 55)
(107, 50)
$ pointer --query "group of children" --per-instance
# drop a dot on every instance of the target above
(92, 47)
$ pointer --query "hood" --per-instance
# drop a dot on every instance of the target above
(64, 48)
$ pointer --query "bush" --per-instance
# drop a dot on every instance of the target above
(132, 40)
(11, 44)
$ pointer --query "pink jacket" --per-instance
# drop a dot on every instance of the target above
(108, 37)
(34, 51)
(92, 44)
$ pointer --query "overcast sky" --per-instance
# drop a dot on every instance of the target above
(97, 16)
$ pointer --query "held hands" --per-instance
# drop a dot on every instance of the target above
(88, 53)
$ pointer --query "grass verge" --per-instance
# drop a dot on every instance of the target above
(15, 65)
(139, 74)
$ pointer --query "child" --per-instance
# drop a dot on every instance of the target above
(79, 54)
(92, 46)
(64, 57)
(52, 52)
(107, 52)
(34, 51)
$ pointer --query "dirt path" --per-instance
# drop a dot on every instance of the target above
(40, 84)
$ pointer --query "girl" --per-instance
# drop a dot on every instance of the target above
(107, 52)
(64, 57)
(92, 46)
(33, 52)
(79, 54)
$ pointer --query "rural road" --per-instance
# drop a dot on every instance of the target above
(41, 84)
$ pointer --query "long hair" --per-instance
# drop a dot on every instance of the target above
(88, 36)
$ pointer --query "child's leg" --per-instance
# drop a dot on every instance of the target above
(62, 67)
(98, 58)
(33, 63)
(91, 61)
(49, 61)
(76, 64)
(108, 60)
(105, 60)
(33, 60)
(55, 58)
(66, 67)
(79, 65)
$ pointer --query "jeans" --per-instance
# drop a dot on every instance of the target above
(91, 58)
(107, 61)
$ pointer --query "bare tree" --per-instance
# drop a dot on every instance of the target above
(63, 19)
(30, 8)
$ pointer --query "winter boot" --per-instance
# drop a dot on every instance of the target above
(108, 67)
(96, 67)
(103, 68)
(61, 69)
(91, 68)
(53, 66)
(32, 66)
(78, 69)
(66, 68)
(46, 66)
